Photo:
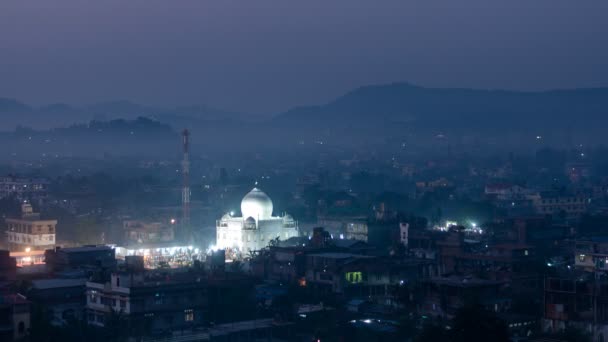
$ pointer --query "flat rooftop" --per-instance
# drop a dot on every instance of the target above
(46, 284)
(337, 255)
(84, 249)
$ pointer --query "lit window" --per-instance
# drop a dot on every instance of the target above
(581, 257)
(189, 315)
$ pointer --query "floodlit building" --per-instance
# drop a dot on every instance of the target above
(30, 232)
(256, 227)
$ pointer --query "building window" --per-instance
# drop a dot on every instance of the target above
(158, 299)
(123, 304)
(189, 315)
(354, 277)
(581, 257)
(93, 297)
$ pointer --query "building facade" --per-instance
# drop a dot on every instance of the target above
(23, 188)
(256, 228)
(148, 301)
(30, 232)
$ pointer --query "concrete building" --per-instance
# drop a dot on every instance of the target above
(140, 232)
(63, 299)
(8, 266)
(30, 232)
(23, 188)
(345, 227)
(256, 228)
(81, 257)
(155, 301)
(556, 204)
(443, 296)
(14, 317)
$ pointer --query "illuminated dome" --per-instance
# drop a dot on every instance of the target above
(256, 204)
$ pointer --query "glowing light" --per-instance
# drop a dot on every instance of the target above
(27, 250)
(172, 221)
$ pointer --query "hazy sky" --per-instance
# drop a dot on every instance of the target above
(269, 55)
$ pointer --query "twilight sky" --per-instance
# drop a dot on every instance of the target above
(269, 55)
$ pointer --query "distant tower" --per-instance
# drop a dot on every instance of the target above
(186, 180)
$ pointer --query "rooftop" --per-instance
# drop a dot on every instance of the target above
(85, 249)
(45, 284)
(336, 255)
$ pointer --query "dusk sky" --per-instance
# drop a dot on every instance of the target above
(270, 55)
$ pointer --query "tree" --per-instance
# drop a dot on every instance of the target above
(274, 242)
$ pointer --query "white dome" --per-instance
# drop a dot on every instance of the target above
(256, 204)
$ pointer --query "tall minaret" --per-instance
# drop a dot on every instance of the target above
(186, 181)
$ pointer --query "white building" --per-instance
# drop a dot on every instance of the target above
(256, 227)
(30, 232)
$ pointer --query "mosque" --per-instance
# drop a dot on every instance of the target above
(256, 227)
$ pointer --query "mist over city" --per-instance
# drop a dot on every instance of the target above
(303, 171)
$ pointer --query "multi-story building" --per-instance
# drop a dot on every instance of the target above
(349, 227)
(556, 204)
(23, 188)
(14, 317)
(576, 299)
(30, 232)
(63, 298)
(152, 301)
(591, 254)
(94, 257)
(8, 266)
(443, 296)
(361, 276)
(156, 301)
(140, 232)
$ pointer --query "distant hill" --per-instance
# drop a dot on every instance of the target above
(15, 113)
(454, 108)
(394, 115)
(140, 136)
